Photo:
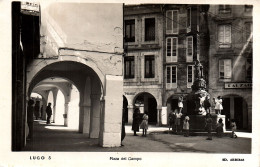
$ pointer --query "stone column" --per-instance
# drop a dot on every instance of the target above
(95, 116)
(66, 112)
(85, 108)
(85, 117)
(54, 112)
(130, 113)
(111, 121)
(159, 119)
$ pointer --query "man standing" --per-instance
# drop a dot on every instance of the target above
(49, 113)
(30, 118)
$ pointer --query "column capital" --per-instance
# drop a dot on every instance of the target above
(130, 107)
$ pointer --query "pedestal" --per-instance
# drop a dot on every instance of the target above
(197, 122)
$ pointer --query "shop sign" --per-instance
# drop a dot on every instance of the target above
(130, 93)
(30, 8)
(238, 85)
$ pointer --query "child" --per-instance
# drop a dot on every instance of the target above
(234, 128)
(186, 126)
(219, 128)
(144, 124)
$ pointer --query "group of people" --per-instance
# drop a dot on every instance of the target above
(33, 111)
(140, 122)
(219, 127)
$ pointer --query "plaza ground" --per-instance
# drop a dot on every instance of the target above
(55, 137)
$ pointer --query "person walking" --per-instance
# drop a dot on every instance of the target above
(219, 129)
(208, 126)
(48, 112)
(144, 124)
(186, 126)
(218, 106)
(136, 119)
(30, 110)
(171, 120)
(178, 116)
(234, 128)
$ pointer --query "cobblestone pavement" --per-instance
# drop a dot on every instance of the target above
(58, 138)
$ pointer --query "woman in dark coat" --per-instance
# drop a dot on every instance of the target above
(135, 125)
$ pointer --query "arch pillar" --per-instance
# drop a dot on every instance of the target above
(65, 116)
(159, 115)
(85, 108)
(95, 116)
(111, 113)
(130, 113)
(55, 92)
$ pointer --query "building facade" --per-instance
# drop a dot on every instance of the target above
(143, 44)
(185, 41)
(230, 61)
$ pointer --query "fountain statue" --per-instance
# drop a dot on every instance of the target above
(199, 95)
(198, 102)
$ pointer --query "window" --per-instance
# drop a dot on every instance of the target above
(130, 30)
(188, 19)
(149, 67)
(150, 29)
(223, 9)
(129, 67)
(224, 36)
(172, 22)
(190, 75)
(189, 46)
(248, 29)
(172, 49)
(225, 70)
(249, 69)
(171, 74)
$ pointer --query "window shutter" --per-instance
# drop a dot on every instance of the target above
(175, 21)
(227, 68)
(168, 49)
(132, 68)
(174, 46)
(221, 34)
(227, 34)
(168, 74)
(169, 22)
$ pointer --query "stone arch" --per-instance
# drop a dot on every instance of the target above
(236, 107)
(148, 103)
(39, 65)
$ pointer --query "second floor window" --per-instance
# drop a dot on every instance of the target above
(130, 30)
(225, 70)
(189, 46)
(171, 77)
(129, 67)
(172, 21)
(224, 36)
(172, 48)
(190, 76)
(149, 29)
(149, 71)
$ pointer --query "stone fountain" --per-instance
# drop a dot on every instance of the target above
(196, 102)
